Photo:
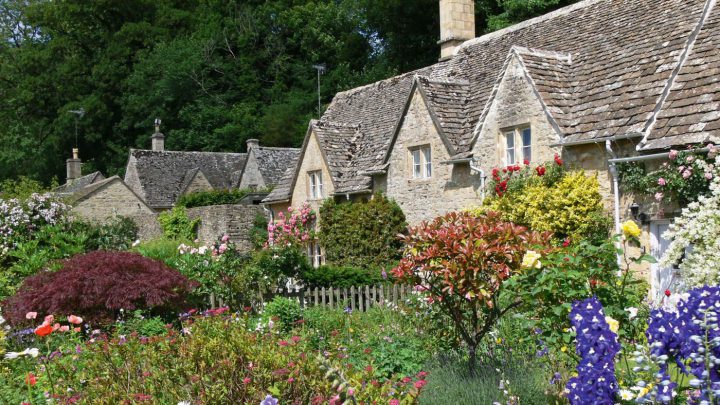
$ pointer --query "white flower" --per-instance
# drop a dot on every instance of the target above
(2, 320)
(531, 260)
(34, 352)
(632, 311)
(183, 403)
(137, 242)
(626, 395)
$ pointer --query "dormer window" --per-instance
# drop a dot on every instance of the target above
(517, 143)
(421, 160)
(316, 185)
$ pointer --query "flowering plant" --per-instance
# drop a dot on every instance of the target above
(698, 227)
(683, 178)
(20, 218)
(295, 228)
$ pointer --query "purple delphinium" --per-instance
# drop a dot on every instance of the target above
(269, 400)
(691, 337)
(597, 346)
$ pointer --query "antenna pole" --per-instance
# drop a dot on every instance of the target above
(321, 68)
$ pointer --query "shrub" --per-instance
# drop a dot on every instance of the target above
(19, 219)
(177, 225)
(463, 260)
(343, 276)
(295, 229)
(362, 233)
(279, 263)
(117, 234)
(287, 311)
(23, 188)
(143, 326)
(259, 232)
(212, 197)
(96, 285)
(569, 206)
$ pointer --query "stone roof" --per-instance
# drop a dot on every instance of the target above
(601, 68)
(79, 183)
(283, 189)
(273, 162)
(163, 175)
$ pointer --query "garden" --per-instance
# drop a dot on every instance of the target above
(528, 298)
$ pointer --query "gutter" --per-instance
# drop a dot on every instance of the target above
(654, 156)
(616, 183)
(482, 179)
(631, 135)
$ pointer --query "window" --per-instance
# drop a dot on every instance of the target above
(421, 162)
(316, 186)
(518, 145)
(315, 254)
(510, 148)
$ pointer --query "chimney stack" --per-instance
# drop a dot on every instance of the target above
(158, 139)
(74, 166)
(252, 144)
(457, 25)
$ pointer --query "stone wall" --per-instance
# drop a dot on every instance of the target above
(251, 177)
(233, 220)
(113, 199)
(148, 226)
(451, 187)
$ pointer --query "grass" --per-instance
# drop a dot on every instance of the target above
(450, 383)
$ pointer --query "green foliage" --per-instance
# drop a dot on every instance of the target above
(342, 276)
(22, 188)
(117, 234)
(280, 263)
(143, 326)
(362, 233)
(286, 310)
(213, 197)
(176, 224)
(259, 232)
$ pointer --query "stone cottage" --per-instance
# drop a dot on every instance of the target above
(598, 82)
(95, 198)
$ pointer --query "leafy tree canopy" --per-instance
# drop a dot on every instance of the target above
(217, 72)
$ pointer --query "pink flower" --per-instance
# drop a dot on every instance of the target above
(246, 380)
(661, 181)
(658, 196)
(708, 175)
(64, 328)
(283, 343)
(686, 174)
(75, 320)
(394, 402)
(351, 392)
(681, 168)
(49, 319)
(56, 327)
(225, 238)
(673, 154)
(290, 380)
(420, 383)
(690, 158)
(222, 248)
(31, 315)
(295, 339)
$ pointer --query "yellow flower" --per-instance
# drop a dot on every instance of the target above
(563, 349)
(630, 229)
(498, 340)
(531, 260)
(614, 325)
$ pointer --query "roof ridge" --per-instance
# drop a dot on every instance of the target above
(524, 24)
(354, 90)
(187, 151)
(330, 124)
(278, 147)
(443, 80)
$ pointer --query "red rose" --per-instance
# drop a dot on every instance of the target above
(667, 293)
(558, 160)
(516, 168)
(540, 170)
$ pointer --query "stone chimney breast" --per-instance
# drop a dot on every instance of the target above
(158, 139)
(252, 144)
(457, 25)
(74, 166)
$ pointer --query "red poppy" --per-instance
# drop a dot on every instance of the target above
(540, 170)
(31, 379)
(44, 330)
(558, 160)
(667, 293)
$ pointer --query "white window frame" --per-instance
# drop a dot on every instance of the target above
(515, 147)
(421, 162)
(314, 253)
(315, 184)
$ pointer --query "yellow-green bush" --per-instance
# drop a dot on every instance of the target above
(571, 207)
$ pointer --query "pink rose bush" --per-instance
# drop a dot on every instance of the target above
(295, 228)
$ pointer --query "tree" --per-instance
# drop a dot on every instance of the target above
(462, 261)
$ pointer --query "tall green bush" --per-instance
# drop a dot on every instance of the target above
(177, 225)
(362, 233)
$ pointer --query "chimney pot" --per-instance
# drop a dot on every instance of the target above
(252, 143)
(457, 25)
(158, 139)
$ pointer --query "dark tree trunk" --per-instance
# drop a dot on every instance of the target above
(472, 359)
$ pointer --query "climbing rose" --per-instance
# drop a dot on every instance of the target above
(673, 154)
(661, 181)
(630, 229)
(540, 170)
(558, 160)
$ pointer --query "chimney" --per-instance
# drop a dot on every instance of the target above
(158, 139)
(252, 144)
(74, 166)
(457, 25)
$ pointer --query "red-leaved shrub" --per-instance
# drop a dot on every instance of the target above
(97, 285)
